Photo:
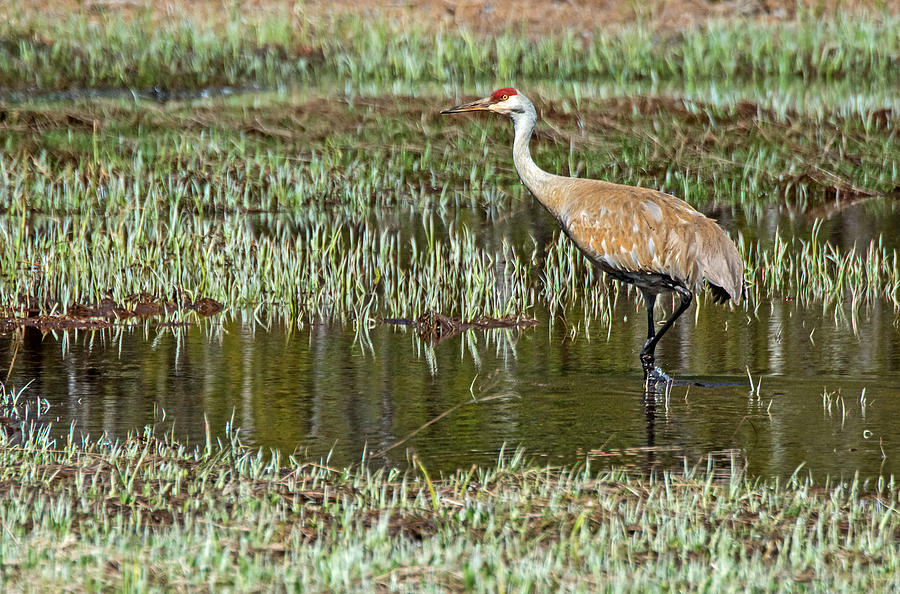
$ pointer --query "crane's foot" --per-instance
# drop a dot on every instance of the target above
(653, 374)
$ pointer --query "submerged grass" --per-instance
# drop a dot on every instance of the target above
(314, 268)
(279, 153)
(149, 512)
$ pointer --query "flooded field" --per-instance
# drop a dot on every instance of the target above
(269, 321)
(823, 396)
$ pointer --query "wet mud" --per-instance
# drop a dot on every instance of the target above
(103, 314)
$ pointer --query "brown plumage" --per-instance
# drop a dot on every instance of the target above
(636, 235)
(626, 230)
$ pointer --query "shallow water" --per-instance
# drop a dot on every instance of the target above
(562, 397)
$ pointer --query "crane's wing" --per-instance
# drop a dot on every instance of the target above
(634, 231)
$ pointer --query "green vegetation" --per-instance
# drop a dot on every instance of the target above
(86, 52)
(346, 198)
(148, 513)
(324, 185)
(361, 208)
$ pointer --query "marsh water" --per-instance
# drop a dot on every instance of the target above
(567, 389)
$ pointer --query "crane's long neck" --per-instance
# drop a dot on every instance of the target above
(538, 181)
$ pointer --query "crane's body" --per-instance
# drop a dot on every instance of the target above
(650, 239)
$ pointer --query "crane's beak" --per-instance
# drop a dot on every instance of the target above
(480, 105)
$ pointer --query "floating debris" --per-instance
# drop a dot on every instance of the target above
(437, 327)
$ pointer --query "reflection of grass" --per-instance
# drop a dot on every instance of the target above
(147, 512)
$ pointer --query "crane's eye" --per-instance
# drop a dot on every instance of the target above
(504, 97)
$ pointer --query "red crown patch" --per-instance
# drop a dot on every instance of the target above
(503, 94)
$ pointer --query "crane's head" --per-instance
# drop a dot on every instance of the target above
(506, 101)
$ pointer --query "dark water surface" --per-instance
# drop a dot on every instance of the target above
(323, 388)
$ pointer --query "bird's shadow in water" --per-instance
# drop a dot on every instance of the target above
(657, 381)
(656, 385)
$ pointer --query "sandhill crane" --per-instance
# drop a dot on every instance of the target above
(652, 240)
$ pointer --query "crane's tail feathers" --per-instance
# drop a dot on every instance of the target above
(721, 265)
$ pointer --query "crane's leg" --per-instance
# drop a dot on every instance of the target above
(647, 356)
(650, 303)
